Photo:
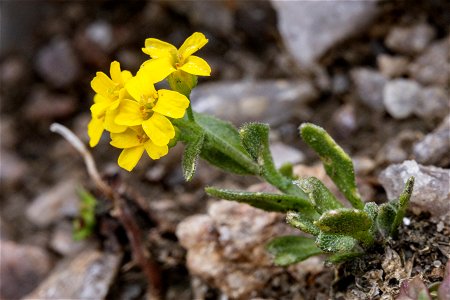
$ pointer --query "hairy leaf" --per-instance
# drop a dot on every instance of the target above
(386, 217)
(292, 249)
(335, 243)
(303, 222)
(345, 256)
(337, 163)
(319, 195)
(190, 156)
(84, 224)
(345, 221)
(403, 202)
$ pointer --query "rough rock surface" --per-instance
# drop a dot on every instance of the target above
(410, 40)
(226, 248)
(431, 189)
(400, 97)
(369, 86)
(86, 276)
(310, 28)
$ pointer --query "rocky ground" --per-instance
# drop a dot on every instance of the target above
(374, 74)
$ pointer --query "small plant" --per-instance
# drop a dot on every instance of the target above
(141, 118)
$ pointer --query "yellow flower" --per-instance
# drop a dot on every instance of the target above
(134, 141)
(167, 59)
(150, 108)
(109, 91)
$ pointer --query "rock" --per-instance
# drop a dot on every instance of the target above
(271, 101)
(226, 248)
(46, 106)
(432, 66)
(54, 204)
(8, 132)
(22, 268)
(13, 71)
(283, 154)
(101, 33)
(57, 63)
(369, 87)
(432, 104)
(410, 40)
(392, 66)
(62, 240)
(431, 188)
(13, 169)
(434, 148)
(363, 165)
(397, 149)
(400, 97)
(311, 28)
(344, 120)
(85, 276)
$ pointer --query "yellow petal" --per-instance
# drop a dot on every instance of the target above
(110, 123)
(129, 158)
(155, 152)
(126, 139)
(99, 108)
(159, 129)
(129, 113)
(126, 75)
(116, 74)
(157, 48)
(196, 66)
(192, 44)
(158, 69)
(102, 84)
(99, 98)
(140, 86)
(114, 105)
(171, 104)
(95, 130)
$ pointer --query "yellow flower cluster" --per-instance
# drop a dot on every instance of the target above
(137, 115)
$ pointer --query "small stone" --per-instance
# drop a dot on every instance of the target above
(22, 268)
(13, 169)
(432, 66)
(410, 40)
(85, 276)
(101, 33)
(435, 146)
(432, 104)
(54, 204)
(12, 72)
(400, 97)
(283, 154)
(57, 63)
(44, 105)
(431, 187)
(344, 119)
(62, 240)
(392, 66)
(156, 173)
(300, 22)
(363, 165)
(369, 87)
(397, 149)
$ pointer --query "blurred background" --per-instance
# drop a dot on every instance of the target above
(373, 73)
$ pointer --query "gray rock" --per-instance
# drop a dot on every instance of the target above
(432, 67)
(22, 268)
(432, 104)
(434, 148)
(57, 63)
(86, 276)
(410, 40)
(101, 33)
(62, 240)
(369, 87)
(431, 189)
(397, 148)
(271, 101)
(400, 96)
(13, 169)
(54, 204)
(392, 66)
(310, 28)
(283, 154)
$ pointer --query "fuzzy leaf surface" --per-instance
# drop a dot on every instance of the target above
(292, 249)
(345, 221)
(337, 163)
(403, 202)
(386, 217)
(335, 243)
(319, 195)
(190, 156)
(302, 222)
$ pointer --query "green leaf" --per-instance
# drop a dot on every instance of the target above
(335, 242)
(303, 222)
(292, 249)
(403, 202)
(265, 201)
(287, 170)
(337, 163)
(84, 224)
(343, 257)
(182, 82)
(345, 221)
(386, 217)
(322, 198)
(190, 156)
(371, 208)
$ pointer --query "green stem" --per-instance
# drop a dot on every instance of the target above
(190, 113)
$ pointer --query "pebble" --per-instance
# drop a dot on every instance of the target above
(431, 188)
(22, 268)
(62, 240)
(54, 204)
(13, 70)
(272, 101)
(57, 63)
(344, 119)
(13, 169)
(392, 66)
(101, 33)
(46, 106)
(311, 28)
(283, 154)
(400, 97)
(369, 87)
(434, 147)
(410, 40)
(432, 104)
(88, 275)
(431, 68)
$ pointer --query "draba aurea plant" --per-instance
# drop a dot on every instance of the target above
(141, 118)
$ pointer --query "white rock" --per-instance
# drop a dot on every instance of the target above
(400, 96)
